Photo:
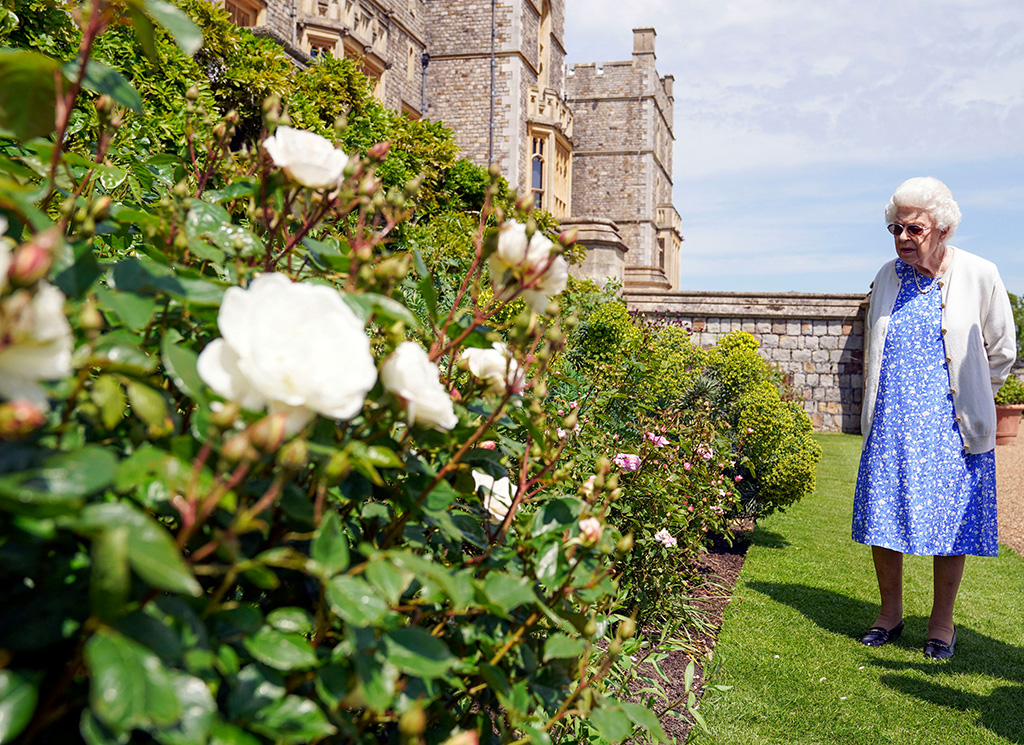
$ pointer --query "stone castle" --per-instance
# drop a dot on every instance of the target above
(592, 143)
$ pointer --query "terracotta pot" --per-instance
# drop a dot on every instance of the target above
(1007, 422)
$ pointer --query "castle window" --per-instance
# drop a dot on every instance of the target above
(371, 65)
(537, 182)
(247, 13)
(321, 46)
(550, 169)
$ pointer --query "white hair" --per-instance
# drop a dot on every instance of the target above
(928, 194)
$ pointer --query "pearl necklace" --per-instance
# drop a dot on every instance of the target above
(917, 284)
(935, 280)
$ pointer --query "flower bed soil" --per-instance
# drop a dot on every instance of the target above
(720, 568)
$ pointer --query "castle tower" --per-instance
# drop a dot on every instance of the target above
(622, 159)
(495, 76)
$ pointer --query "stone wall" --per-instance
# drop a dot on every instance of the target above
(816, 340)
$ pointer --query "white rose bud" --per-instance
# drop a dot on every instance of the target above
(412, 377)
(306, 157)
(497, 493)
(496, 367)
(35, 343)
(290, 348)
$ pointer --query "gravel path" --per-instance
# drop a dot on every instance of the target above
(1010, 488)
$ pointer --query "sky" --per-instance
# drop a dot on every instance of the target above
(795, 121)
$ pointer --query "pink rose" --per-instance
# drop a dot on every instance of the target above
(590, 531)
(687, 466)
(488, 445)
(658, 440)
(627, 461)
(739, 478)
(665, 538)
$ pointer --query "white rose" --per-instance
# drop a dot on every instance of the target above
(290, 347)
(498, 494)
(35, 343)
(496, 367)
(306, 157)
(533, 261)
(411, 376)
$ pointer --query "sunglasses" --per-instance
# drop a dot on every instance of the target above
(897, 229)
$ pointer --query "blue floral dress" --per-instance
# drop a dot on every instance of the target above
(918, 492)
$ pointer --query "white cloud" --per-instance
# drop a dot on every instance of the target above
(781, 104)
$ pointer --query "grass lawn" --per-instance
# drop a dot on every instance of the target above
(788, 641)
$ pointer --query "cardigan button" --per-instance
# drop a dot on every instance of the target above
(941, 284)
(952, 390)
(942, 305)
(948, 360)
(959, 419)
(943, 330)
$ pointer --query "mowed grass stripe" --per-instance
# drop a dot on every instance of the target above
(788, 640)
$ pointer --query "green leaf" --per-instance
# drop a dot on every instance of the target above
(198, 711)
(560, 647)
(182, 365)
(613, 724)
(234, 190)
(153, 554)
(367, 304)
(204, 218)
(292, 720)
(416, 652)
(329, 253)
(387, 579)
(376, 681)
(223, 733)
(186, 34)
(101, 78)
(556, 514)
(646, 720)
(75, 271)
(28, 93)
(111, 577)
(60, 483)
(352, 599)
(280, 650)
(109, 397)
(135, 311)
(147, 404)
(506, 592)
(18, 698)
(291, 620)
(145, 33)
(122, 350)
(129, 686)
(330, 546)
(426, 283)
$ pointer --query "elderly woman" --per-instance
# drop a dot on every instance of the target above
(940, 342)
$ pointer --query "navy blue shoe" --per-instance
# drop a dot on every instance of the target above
(936, 649)
(876, 636)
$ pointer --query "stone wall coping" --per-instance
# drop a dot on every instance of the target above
(795, 305)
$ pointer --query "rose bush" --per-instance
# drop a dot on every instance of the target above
(251, 512)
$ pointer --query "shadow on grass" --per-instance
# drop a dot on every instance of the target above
(768, 539)
(977, 654)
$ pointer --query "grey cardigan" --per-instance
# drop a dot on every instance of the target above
(978, 333)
